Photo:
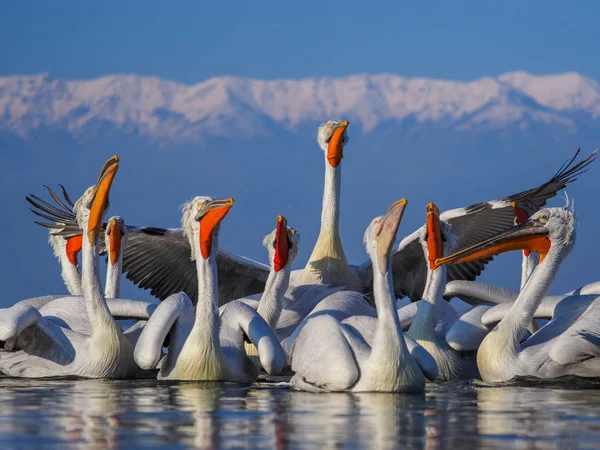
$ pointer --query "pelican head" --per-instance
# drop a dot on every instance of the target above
(201, 217)
(93, 204)
(115, 237)
(551, 227)
(381, 234)
(332, 137)
(282, 245)
(66, 246)
(436, 236)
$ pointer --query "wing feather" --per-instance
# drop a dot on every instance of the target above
(159, 259)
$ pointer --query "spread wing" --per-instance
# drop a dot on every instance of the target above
(159, 259)
(471, 225)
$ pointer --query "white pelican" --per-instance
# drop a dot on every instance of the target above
(45, 348)
(65, 248)
(284, 307)
(204, 345)
(158, 258)
(569, 343)
(437, 239)
(352, 354)
(327, 263)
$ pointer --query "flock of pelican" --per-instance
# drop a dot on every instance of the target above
(335, 326)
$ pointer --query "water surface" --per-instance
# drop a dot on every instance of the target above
(130, 414)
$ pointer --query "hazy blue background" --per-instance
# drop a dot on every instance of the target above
(282, 171)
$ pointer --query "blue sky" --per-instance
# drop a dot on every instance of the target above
(190, 41)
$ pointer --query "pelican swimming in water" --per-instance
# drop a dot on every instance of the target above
(362, 353)
(207, 344)
(46, 348)
(437, 239)
(569, 343)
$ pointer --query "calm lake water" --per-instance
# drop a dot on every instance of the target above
(130, 414)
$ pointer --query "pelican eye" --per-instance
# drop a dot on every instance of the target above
(274, 243)
(290, 243)
(543, 218)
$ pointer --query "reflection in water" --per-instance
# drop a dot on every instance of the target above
(110, 414)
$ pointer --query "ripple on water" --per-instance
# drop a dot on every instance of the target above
(458, 414)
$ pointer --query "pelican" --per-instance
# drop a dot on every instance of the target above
(158, 258)
(352, 355)
(327, 263)
(46, 348)
(569, 343)
(437, 239)
(282, 306)
(207, 344)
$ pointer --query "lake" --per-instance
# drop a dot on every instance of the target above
(135, 413)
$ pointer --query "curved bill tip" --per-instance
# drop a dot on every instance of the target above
(387, 233)
(432, 208)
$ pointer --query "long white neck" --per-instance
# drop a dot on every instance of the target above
(271, 302)
(206, 325)
(512, 328)
(423, 325)
(98, 313)
(327, 263)
(330, 213)
(389, 340)
(71, 276)
(528, 265)
(112, 289)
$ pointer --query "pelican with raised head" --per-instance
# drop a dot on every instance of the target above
(327, 263)
(352, 354)
(436, 240)
(569, 343)
(207, 344)
(45, 348)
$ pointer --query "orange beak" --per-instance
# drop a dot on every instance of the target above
(521, 216)
(73, 248)
(210, 216)
(525, 236)
(116, 237)
(435, 243)
(100, 199)
(282, 246)
(335, 150)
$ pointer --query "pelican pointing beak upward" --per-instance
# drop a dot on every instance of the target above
(282, 245)
(99, 198)
(386, 234)
(335, 148)
(435, 243)
(116, 235)
(530, 235)
(210, 214)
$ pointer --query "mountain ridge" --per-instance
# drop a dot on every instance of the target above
(167, 112)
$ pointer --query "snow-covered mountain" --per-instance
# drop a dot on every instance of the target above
(168, 112)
